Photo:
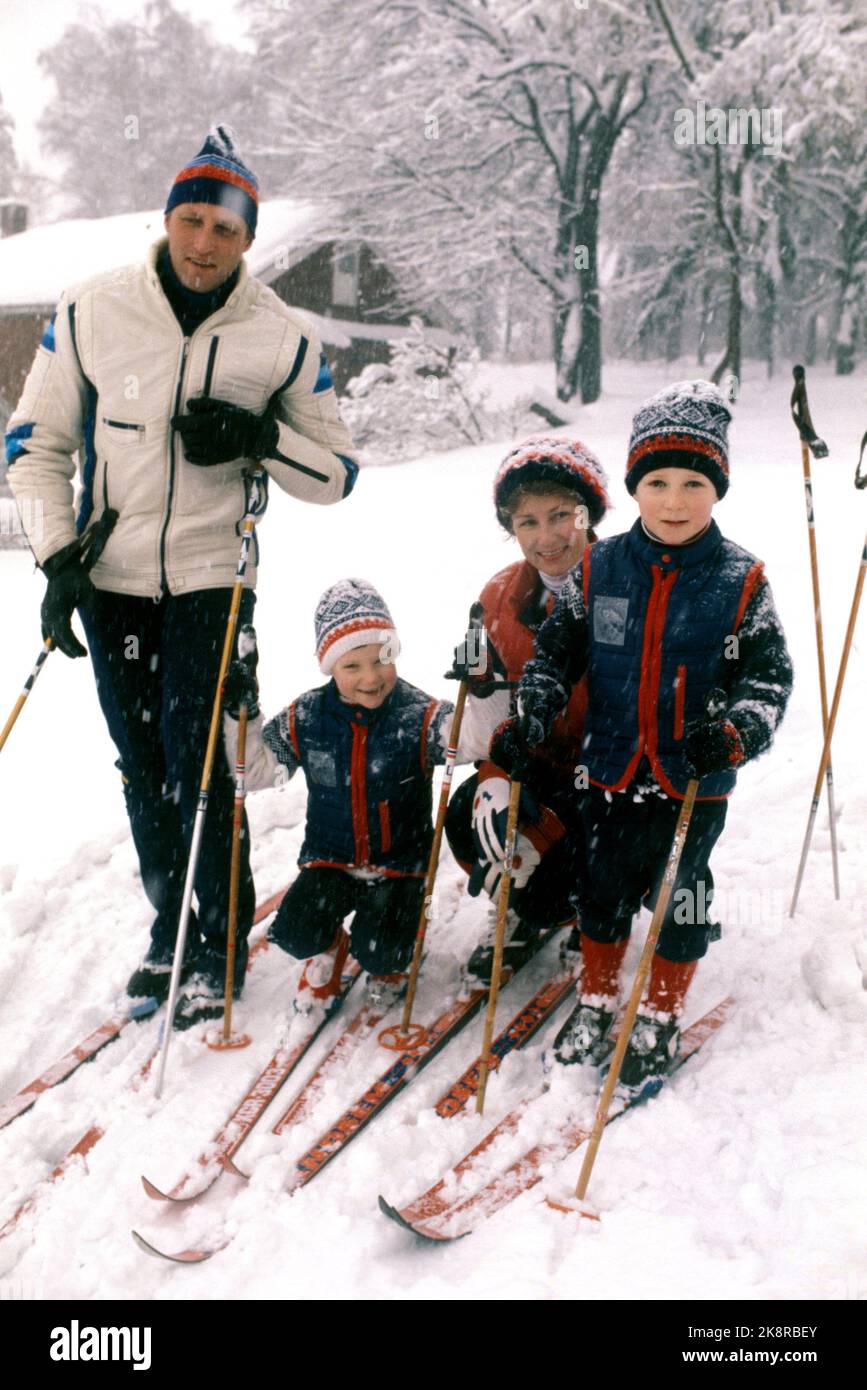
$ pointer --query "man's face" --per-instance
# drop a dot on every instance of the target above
(206, 244)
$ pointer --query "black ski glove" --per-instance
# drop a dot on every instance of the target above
(241, 686)
(478, 662)
(512, 745)
(217, 432)
(69, 586)
(713, 745)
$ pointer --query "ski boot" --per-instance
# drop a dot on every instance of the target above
(203, 997)
(383, 991)
(519, 943)
(651, 1052)
(584, 1036)
(152, 979)
(320, 979)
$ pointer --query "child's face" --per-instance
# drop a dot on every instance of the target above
(362, 678)
(547, 530)
(675, 503)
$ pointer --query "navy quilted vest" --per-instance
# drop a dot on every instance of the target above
(369, 789)
(659, 620)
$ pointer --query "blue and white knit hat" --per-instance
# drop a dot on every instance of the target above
(684, 426)
(218, 175)
(350, 614)
(564, 463)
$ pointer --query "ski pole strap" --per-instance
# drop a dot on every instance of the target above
(861, 478)
(801, 416)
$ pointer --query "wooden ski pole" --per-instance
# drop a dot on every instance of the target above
(502, 909)
(234, 874)
(254, 508)
(811, 442)
(433, 861)
(665, 890)
(829, 733)
(28, 686)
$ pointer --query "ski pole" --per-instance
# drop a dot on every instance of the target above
(826, 750)
(27, 687)
(255, 506)
(665, 890)
(810, 442)
(89, 548)
(502, 909)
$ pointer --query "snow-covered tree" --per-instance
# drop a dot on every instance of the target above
(464, 137)
(134, 99)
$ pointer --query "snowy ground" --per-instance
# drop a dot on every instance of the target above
(745, 1179)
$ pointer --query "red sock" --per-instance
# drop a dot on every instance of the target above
(669, 982)
(600, 973)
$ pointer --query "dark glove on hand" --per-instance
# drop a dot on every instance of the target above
(217, 432)
(241, 686)
(69, 586)
(713, 745)
(510, 748)
(479, 665)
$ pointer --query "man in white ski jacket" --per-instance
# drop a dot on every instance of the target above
(170, 380)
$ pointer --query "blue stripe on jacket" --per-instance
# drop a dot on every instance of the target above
(324, 380)
(15, 442)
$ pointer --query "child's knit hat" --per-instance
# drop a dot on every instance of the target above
(684, 426)
(218, 175)
(565, 463)
(350, 614)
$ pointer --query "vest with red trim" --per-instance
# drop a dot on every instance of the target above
(515, 605)
(658, 620)
(368, 778)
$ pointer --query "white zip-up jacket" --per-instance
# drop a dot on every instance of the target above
(111, 371)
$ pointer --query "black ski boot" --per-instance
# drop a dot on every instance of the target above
(153, 978)
(203, 996)
(584, 1035)
(518, 945)
(651, 1052)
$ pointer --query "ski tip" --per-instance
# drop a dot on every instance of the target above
(155, 1193)
(180, 1257)
(423, 1232)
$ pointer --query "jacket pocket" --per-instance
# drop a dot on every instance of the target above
(679, 700)
(384, 826)
(123, 433)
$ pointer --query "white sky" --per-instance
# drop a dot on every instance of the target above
(28, 26)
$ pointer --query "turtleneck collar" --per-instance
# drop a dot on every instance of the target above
(191, 308)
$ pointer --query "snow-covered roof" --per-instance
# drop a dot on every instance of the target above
(36, 266)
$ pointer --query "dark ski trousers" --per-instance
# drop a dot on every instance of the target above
(156, 666)
(548, 895)
(382, 931)
(627, 845)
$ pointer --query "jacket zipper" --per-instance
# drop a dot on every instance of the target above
(164, 583)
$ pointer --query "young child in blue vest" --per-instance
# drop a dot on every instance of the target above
(688, 676)
(367, 743)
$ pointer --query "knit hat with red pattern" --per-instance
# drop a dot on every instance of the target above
(350, 614)
(684, 426)
(565, 463)
(218, 175)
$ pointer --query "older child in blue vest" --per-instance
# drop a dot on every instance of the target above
(367, 743)
(688, 676)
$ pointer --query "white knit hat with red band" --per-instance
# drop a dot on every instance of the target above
(351, 614)
(565, 463)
